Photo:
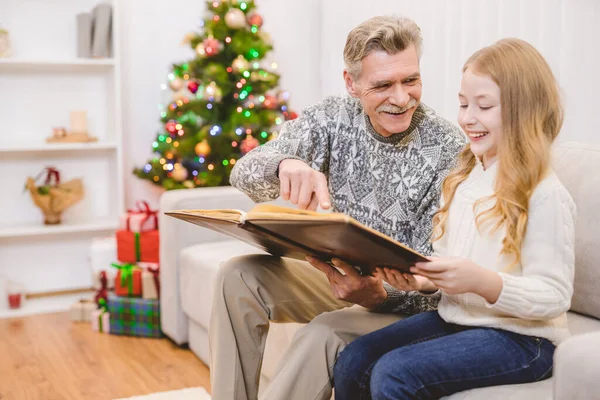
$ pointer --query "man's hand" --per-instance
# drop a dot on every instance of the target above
(302, 185)
(366, 291)
(406, 282)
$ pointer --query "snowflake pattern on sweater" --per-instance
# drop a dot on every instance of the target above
(391, 184)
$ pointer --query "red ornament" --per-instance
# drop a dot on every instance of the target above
(211, 46)
(248, 144)
(293, 115)
(270, 102)
(171, 126)
(193, 86)
(255, 19)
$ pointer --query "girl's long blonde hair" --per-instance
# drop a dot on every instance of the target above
(532, 116)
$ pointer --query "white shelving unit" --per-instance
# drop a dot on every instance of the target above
(35, 229)
(39, 86)
(62, 147)
(39, 65)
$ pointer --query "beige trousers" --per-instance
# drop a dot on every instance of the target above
(253, 290)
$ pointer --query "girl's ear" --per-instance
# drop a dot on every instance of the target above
(350, 84)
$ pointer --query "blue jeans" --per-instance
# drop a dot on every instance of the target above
(424, 357)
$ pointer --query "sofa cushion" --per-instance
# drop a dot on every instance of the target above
(576, 165)
(527, 391)
(579, 323)
(199, 265)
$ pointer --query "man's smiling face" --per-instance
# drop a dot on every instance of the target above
(389, 89)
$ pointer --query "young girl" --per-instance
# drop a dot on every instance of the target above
(503, 245)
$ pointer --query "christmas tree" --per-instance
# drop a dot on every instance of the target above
(222, 104)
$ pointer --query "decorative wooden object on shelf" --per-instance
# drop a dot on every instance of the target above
(72, 138)
(78, 132)
(5, 46)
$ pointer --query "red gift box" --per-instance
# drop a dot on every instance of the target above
(137, 246)
(128, 282)
(142, 219)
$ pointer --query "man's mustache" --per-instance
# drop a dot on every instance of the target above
(395, 109)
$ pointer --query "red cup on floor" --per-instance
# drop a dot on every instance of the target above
(14, 300)
(16, 295)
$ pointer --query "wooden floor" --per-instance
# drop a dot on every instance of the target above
(48, 357)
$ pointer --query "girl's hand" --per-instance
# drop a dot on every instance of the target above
(457, 275)
(404, 281)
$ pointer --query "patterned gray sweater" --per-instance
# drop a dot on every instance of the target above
(391, 184)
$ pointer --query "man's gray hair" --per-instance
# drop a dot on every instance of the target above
(391, 34)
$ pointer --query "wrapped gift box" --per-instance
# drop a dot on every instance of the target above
(150, 280)
(137, 246)
(134, 317)
(101, 321)
(128, 282)
(82, 310)
(142, 219)
(103, 252)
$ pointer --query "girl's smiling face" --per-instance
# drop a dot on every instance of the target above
(480, 115)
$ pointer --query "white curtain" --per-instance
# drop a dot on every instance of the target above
(567, 33)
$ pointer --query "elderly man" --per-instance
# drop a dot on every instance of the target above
(380, 156)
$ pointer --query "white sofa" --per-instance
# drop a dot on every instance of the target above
(190, 257)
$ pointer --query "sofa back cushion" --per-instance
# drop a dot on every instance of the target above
(578, 167)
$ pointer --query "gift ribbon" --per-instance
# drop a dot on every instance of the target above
(102, 304)
(154, 271)
(142, 208)
(50, 172)
(126, 276)
(100, 329)
(101, 293)
(138, 250)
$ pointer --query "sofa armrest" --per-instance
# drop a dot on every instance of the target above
(577, 367)
(176, 235)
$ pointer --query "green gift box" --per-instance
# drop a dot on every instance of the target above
(134, 316)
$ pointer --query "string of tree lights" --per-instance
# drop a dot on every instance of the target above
(223, 103)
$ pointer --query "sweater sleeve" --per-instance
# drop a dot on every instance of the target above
(431, 201)
(545, 287)
(306, 138)
(402, 302)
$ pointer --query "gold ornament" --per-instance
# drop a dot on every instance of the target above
(200, 49)
(176, 84)
(212, 90)
(265, 37)
(260, 77)
(179, 96)
(202, 148)
(240, 64)
(235, 18)
(179, 173)
(187, 39)
(189, 184)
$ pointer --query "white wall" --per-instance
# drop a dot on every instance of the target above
(152, 33)
(309, 37)
(565, 31)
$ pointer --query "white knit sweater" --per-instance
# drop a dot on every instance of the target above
(536, 294)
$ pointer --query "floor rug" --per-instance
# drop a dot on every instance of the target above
(198, 393)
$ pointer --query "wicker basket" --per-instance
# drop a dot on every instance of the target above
(54, 198)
